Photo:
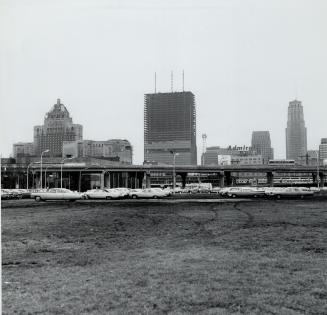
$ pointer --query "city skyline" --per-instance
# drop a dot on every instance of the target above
(244, 61)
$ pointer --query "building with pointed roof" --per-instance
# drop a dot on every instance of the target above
(58, 127)
(296, 132)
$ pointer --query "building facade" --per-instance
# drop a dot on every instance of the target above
(261, 143)
(58, 127)
(23, 149)
(296, 132)
(231, 155)
(119, 150)
(170, 127)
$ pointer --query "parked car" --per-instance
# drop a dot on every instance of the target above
(144, 193)
(101, 194)
(25, 193)
(56, 194)
(279, 192)
(15, 193)
(245, 192)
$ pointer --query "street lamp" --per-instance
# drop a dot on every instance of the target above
(174, 170)
(45, 175)
(27, 172)
(62, 162)
(45, 151)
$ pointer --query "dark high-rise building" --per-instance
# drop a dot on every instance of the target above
(296, 132)
(58, 127)
(262, 145)
(170, 126)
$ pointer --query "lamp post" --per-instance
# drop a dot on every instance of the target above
(45, 151)
(62, 162)
(45, 175)
(27, 172)
(174, 169)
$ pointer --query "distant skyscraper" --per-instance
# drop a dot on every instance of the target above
(296, 132)
(262, 144)
(170, 126)
(323, 150)
(58, 127)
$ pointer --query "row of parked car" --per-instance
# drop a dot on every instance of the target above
(277, 192)
(117, 193)
(107, 193)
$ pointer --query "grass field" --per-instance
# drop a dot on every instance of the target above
(165, 257)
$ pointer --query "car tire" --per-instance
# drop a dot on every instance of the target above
(278, 196)
(108, 198)
(155, 197)
(233, 196)
(38, 198)
(134, 197)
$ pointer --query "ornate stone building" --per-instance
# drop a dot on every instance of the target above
(58, 127)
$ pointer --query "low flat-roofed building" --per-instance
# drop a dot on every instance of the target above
(213, 154)
(23, 149)
(114, 149)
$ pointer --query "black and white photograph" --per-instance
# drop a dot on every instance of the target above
(163, 157)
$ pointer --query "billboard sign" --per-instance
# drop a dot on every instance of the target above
(224, 159)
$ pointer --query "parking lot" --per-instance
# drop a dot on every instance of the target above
(200, 256)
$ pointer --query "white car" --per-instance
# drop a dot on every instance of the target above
(101, 194)
(144, 193)
(56, 194)
(245, 192)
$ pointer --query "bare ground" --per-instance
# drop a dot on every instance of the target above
(165, 257)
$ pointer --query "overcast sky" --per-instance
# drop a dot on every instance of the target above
(244, 60)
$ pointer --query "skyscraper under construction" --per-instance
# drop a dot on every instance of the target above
(296, 132)
(170, 128)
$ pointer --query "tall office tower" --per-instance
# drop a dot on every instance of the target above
(296, 132)
(58, 127)
(323, 150)
(170, 127)
(262, 145)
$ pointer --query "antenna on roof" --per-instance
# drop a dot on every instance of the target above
(172, 80)
(295, 88)
(155, 82)
(183, 80)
